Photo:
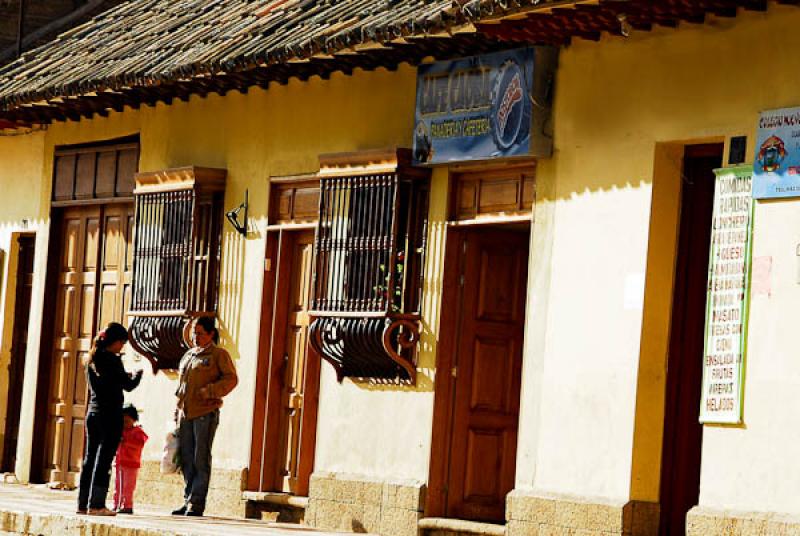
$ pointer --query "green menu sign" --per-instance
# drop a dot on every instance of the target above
(728, 299)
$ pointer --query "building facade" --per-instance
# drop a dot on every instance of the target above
(557, 312)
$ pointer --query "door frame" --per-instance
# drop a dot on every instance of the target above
(16, 408)
(677, 354)
(444, 387)
(268, 410)
(38, 474)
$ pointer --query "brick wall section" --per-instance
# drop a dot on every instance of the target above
(531, 515)
(357, 504)
(166, 491)
(710, 522)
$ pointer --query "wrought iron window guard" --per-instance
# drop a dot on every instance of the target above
(177, 235)
(369, 257)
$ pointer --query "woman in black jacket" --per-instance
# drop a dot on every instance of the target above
(107, 379)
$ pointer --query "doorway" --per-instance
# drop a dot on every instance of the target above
(473, 460)
(89, 287)
(287, 387)
(26, 247)
(683, 434)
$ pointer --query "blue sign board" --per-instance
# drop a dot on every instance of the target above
(777, 163)
(474, 108)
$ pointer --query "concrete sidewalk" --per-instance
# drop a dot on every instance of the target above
(37, 510)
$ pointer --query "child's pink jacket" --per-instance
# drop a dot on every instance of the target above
(129, 453)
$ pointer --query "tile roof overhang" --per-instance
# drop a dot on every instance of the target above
(146, 51)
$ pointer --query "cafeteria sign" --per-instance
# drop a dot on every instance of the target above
(777, 161)
(728, 298)
(474, 108)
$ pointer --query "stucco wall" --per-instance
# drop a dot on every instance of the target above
(25, 208)
(595, 356)
(280, 131)
(617, 102)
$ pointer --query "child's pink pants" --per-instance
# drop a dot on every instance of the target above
(124, 486)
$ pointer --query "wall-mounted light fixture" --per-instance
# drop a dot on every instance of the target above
(624, 26)
(233, 216)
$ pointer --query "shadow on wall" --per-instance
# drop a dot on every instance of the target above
(428, 344)
(231, 290)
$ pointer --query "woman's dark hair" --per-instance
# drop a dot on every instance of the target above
(114, 332)
(209, 325)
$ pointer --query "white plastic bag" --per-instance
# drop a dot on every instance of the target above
(169, 459)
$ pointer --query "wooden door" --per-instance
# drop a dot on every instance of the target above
(295, 358)
(19, 349)
(487, 370)
(93, 271)
(287, 383)
(116, 261)
(683, 434)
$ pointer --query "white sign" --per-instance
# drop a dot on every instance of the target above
(727, 304)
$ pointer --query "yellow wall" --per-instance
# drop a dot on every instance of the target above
(280, 131)
(595, 350)
(25, 208)
(594, 376)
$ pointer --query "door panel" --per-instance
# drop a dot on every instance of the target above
(295, 358)
(93, 248)
(287, 383)
(488, 365)
(75, 303)
(115, 273)
(19, 349)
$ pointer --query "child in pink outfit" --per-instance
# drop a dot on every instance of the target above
(129, 459)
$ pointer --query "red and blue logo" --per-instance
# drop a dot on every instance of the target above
(510, 111)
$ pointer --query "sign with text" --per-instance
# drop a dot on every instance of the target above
(474, 108)
(728, 299)
(777, 161)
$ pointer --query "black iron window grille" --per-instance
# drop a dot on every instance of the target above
(370, 252)
(162, 249)
(176, 258)
(370, 245)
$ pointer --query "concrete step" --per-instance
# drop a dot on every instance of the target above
(32, 510)
(442, 526)
(275, 507)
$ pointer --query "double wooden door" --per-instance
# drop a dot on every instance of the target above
(481, 392)
(92, 289)
(288, 381)
(19, 349)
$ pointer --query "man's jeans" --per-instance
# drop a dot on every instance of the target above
(103, 433)
(196, 437)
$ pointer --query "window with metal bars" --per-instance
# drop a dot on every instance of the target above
(370, 245)
(175, 250)
(178, 227)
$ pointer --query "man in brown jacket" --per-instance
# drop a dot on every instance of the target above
(206, 375)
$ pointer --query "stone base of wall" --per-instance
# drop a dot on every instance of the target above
(709, 522)
(533, 515)
(358, 504)
(224, 495)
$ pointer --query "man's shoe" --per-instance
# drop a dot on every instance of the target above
(180, 511)
(101, 512)
(194, 513)
(81, 511)
(128, 511)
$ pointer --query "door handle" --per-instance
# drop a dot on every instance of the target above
(282, 374)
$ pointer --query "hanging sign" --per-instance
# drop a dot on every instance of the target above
(777, 161)
(727, 303)
(474, 108)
